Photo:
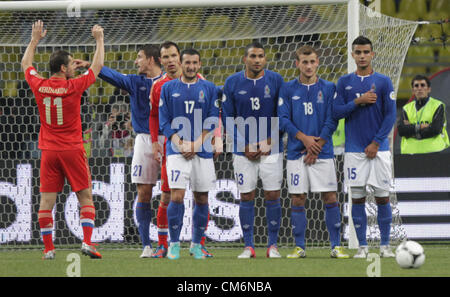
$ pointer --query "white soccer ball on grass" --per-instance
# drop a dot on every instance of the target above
(410, 254)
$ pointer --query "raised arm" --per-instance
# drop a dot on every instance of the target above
(37, 33)
(99, 56)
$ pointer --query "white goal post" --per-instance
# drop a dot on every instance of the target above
(219, 30)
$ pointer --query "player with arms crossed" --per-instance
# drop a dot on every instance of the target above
(144, 167)
(366, 100)
(251, 96)
(60, 138)
(305, 111)
(188, 114)
(170, 59)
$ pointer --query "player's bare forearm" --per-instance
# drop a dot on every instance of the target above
(309, 142)
(37, 33)
(99, 56)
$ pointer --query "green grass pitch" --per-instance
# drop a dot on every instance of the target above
(126, 263)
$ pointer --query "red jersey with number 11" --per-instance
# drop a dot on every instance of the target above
(59, 101)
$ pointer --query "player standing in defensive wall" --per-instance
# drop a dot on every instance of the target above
(60, 139)
(170, 60)
(188, 114)
(144, 167)
(249, 106)
(305, 111)
(366, 99)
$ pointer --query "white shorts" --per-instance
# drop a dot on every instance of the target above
(198, 172)
(316, 178)
(360, 171)
(144, 168)
(268, 168)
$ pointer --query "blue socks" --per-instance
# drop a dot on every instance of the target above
(273, 216)
(246, 217)
(359, 217)
(175, 214)
(199, 221)
(298, 222)
(384, 219)
(144, 216)
(333, 222)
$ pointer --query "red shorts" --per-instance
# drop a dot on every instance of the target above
(57, 165)
(164, 179)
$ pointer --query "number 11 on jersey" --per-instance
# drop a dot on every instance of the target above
(59, 112)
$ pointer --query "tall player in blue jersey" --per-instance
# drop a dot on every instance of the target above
(305, 111)
(144, 168)
(188, 115)
(366, 99)
(249, 106)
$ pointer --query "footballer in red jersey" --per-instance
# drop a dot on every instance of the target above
(60, 136)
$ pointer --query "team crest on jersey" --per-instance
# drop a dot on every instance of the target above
(201, 97)
(33, 72)
(320, 97)
(267, 92)
(373, 88)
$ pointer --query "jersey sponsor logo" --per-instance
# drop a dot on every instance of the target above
(176, 95)
(280, 101)
(243, 92)
(266, 92)
(143, 88)
(392, 95)
(348, 88)
(295, 97)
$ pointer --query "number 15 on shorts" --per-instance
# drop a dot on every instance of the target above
(351, 173)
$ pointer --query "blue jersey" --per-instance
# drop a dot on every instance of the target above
(307, 108)
(138, 86)
(364, 124)
(188, 110)
(254, 101)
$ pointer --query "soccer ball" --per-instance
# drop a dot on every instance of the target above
(410, 254)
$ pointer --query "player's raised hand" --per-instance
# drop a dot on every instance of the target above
(37, 31)
(81, 64)
(97, 32)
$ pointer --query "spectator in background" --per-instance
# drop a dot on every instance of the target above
(422, 124)
(117, 131)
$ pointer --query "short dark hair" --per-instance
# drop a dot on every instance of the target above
(305, 50)
(254, 44)
(362, 40)
(421, 77)
(57, 59)
(151, 50)
(189, 51)
(168, 44)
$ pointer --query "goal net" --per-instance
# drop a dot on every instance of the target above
(220, 33)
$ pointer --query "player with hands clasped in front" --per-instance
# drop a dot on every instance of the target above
(305, 111)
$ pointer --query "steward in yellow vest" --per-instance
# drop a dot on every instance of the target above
(422, 125)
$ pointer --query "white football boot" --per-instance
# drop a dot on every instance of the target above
(362, 252)
(386, 252)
